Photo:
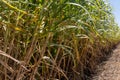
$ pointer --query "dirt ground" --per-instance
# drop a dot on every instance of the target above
(109, 69)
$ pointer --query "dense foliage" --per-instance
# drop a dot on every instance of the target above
(54, 39)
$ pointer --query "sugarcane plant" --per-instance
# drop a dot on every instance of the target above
(54, 39)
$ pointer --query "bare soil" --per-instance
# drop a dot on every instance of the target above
(109, 69)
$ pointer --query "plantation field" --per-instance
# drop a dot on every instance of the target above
(54, 39)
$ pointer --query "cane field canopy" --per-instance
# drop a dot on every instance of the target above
(54, 39)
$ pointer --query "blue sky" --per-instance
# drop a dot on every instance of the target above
(116, 9)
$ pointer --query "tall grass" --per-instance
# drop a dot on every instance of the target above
(54, 39)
